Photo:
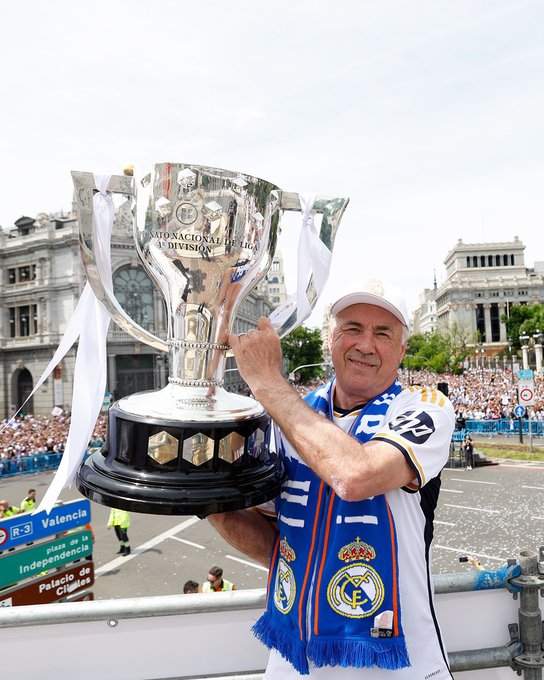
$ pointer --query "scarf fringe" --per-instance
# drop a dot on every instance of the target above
(389, 653)
(292, 649)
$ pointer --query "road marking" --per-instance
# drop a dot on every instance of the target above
(183, 540)
(448, 524)
(460, 551)
(472, 481)
(467, 507)
(451, 490)
(110, 566)
(249, 564)
(538, 488)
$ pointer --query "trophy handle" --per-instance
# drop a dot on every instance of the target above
(332, 210)
(85, 186)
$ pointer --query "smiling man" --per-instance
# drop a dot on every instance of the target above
(350, 592)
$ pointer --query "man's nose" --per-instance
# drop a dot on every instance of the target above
(365, 343)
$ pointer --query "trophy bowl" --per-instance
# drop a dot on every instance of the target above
(207, 237)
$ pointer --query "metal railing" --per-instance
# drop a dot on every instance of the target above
(523, 578)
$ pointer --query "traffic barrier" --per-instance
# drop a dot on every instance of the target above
(38, 462)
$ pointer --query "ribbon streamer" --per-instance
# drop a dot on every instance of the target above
(90, 323)
(313, 258)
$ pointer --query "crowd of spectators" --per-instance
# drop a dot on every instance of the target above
(477, 394)
(29, 435)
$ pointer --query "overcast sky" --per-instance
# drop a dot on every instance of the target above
(428, 114)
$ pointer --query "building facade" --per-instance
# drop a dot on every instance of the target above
(483, 281)
(42, 278)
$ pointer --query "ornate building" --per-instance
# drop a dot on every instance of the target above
(483, 281)
(41, 281)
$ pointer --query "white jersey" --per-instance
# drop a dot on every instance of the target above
(419, 423)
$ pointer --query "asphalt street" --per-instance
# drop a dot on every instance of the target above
(491, 513)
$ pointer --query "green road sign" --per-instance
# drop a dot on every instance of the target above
(21, 564)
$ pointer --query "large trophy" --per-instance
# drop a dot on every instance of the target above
(206, 236)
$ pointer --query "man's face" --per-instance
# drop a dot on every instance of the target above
(213, 580)
(366, 348)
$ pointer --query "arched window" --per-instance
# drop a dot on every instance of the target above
(134, 290)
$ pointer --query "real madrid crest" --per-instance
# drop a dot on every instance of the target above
(356, 590)
(285, 587)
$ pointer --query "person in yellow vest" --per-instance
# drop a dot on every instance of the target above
(120, 521)
(216, 583)
(7, 510)
(29, 503)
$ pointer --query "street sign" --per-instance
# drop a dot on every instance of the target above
(526, 391)
(54, 587)
(519, 411)
(526, 374)
(24, 528)
(20, 564)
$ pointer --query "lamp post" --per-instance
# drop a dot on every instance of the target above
(510, 347)
(524, 340)
(537, 339)
(292, 374)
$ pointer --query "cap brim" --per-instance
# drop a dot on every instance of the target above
(368, 299)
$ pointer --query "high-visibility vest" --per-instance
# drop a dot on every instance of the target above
(225, 585)
(11, 511)
(28, 504)
(119, 518)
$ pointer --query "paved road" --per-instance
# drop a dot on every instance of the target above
(490, 512)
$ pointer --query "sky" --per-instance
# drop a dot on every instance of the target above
(427, 114)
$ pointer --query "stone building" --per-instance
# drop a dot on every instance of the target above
(42, 278)
(483, 281)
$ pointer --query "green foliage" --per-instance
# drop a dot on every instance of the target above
(523, 320)
(439, 351)
(303, 346)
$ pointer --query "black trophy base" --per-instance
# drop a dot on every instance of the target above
(173, 468)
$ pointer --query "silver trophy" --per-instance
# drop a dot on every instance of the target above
(206, 236)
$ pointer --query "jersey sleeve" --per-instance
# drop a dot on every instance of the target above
(420, 424)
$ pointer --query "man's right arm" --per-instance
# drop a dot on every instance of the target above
(247, 531)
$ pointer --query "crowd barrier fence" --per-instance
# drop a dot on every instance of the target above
(38, 462)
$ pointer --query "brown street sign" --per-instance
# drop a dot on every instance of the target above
(55, 586)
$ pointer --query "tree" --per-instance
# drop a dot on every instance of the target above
(303, 346)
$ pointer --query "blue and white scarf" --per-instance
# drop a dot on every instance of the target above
(333, 591)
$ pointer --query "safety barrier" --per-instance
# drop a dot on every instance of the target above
(504, 426)
(26, 465)
(491, 621)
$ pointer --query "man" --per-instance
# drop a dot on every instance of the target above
(120, 521)
(350, 582)
(190, 587)
(29, 503)
(7, 510)
(216, 583)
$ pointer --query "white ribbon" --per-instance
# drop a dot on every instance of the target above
(313, 257)
(90, 323)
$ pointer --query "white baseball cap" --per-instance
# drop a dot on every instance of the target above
(374, 291)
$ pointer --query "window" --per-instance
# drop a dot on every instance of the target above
(474, 260)
(22, 274)
(482, 260)
(23, 321)
(490, 260)
(468, 261)
(498, 260)
(505, 260)
(511, 259)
